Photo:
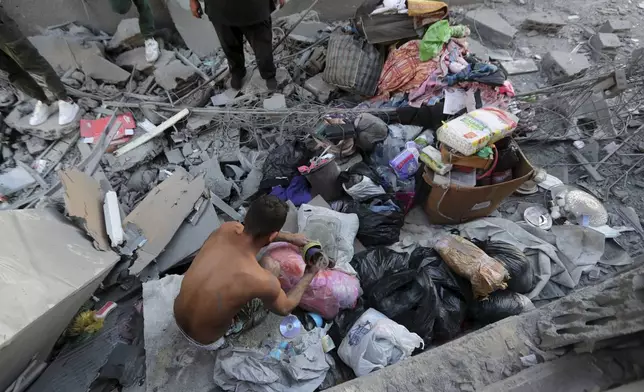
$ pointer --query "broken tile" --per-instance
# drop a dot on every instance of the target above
(84, 205)
(520, 66)
(173, 200)
(174, 156)
(15, 180)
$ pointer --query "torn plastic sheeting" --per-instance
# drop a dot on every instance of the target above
(243, 369)
(161, 213)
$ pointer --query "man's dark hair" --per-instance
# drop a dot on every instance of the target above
(265, 216)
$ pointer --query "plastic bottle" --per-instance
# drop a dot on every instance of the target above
(405, 164)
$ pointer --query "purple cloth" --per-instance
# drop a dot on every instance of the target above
(297, 192)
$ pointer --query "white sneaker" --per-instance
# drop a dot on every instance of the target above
(40, 115)
(67, 112)
(151, 50)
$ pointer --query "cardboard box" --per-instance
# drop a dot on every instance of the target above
(455, 204)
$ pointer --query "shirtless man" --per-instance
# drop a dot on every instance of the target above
(225, 277)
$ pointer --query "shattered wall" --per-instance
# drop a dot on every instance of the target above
(34, 15)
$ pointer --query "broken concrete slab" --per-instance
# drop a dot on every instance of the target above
(49, 270)
(604, 45)
(198, 34)
(84, 205)
(321, 89)
(545, 21)
(174, 156)
(35, 145)
(308, 32)
(127, 35)
(64, 54)
(15, 180)
(562, 66)
(490, 27)
(135, 59)
(520, 66)
(224, 98)
(168, 75)
(500, 55)
(141, 154)
(196, 122)
(214, 177)
(189, 239)
(616, 26)
(225, 143)
(49, 130)
(476, 48)
(173, 200)
(276, 102)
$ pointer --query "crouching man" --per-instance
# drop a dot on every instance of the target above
(226, 290)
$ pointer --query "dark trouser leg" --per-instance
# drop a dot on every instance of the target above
(121, 6)
(146, 18)
(260, 37)
(26, 57)
(231, 39)
(21, 79)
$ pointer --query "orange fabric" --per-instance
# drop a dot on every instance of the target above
(403, 70)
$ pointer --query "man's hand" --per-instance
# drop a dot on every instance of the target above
(311, 270)
(297, 239)
(195, 7)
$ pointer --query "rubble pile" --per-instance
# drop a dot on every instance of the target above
(409, 142)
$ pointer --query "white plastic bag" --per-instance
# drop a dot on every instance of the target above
(375, 341)
(365, 189)
(348, 224)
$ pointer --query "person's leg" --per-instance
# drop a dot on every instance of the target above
(121, 6)
(146, 18)
(232, 42)
(21, 79)
(260, 37)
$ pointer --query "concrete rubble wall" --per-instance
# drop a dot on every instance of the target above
(491, 356)
(34, 15)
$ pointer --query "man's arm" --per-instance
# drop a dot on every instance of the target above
(297, 239)
(278, 302)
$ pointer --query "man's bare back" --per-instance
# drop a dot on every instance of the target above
(223, 277)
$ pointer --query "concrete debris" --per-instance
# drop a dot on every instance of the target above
(127, 35)
(173, 74)
(500, 55)
(521, 66)
(49, 130)
(15, 180)
(173, 199)
(256, 85)
(214, 177)
(142, 179)
(174, 156)
(276, 102)
(186, 149)
(65, 53)
(198, 34)
(135, 59)
(35, 145)
(476, 48)
(224, 98)
(308, 32)
(490, 27)
(604, 45)
(223, 142)
(139, 155)
(321, 89)
(561, 66)
(549, 22)
(616, 26)
(84, 204)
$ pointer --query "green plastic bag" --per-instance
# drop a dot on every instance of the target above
(433, 40)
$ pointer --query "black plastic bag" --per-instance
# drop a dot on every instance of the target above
(283, 162)
(499, 305)
(453, 292)
(405, 295)
(515, 261)
(376, 228)
(345, 319)
(373, 264)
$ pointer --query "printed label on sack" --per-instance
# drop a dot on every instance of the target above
(481, 205)
(358, 332)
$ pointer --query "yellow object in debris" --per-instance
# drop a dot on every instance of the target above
(423, 7)
(85, 322)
